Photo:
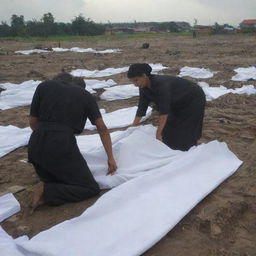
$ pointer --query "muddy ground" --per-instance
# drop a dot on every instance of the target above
(224, 222)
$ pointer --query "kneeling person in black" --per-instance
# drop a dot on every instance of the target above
(59, 110)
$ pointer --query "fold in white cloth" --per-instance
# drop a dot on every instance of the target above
(110, 71)
(132, 217)
(120, 92)
(16, 95)
(244, 74)
(120, 118)
(213, 93)
(196, 72)
(8, 206)
(73, 49)
(12, 137)
(92, 84)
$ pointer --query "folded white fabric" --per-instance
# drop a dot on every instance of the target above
(16, 95)
(120, 92)
(213, 93)
(8, 206)
(132, 217)
(110, 71)
(244, 74)
(92, 84)
(73, 49)
(119, 118)
(12, 137)
(94, 153)
(196, 72)
(8, 244)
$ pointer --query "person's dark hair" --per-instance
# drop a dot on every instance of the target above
(138, 69)
(79, 81)
(63, 77)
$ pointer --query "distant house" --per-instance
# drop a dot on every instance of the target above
(143, 29)
(203, 29)
(248, 24)
(119, 30)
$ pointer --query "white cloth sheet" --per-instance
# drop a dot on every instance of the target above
(8, 206)
(196, 72)
(120, 92)
(213, 93)
(244, 74)
(12, 137)
(132, 217)
(119, 118)
(16, 95)
(110, 71)
(73, 49)
(92, 84)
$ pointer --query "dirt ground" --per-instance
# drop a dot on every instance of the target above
(224, 223)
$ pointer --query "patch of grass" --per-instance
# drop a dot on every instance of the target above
(93, 38)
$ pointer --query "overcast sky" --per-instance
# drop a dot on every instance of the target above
(207, 12)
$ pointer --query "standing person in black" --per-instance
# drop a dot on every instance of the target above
(180, 103)
(59, 109)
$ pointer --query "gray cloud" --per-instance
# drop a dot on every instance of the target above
(206, 11)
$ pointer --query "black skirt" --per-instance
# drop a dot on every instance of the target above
(184, 125)
(53, 151)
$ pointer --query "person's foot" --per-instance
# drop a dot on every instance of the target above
(37, 198)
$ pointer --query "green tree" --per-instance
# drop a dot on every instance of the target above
(18, 27)
(5, 29)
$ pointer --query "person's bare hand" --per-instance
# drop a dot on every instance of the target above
(111, 166)
(159, 137)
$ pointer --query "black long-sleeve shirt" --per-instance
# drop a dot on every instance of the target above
(167, 92)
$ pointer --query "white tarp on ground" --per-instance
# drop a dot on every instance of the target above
(120, 118)
(92, 84)
(8, 206)
(213, 93)
(196, 72)
(132, 217)
(120, 92)
(244, 74)
(16, 95)
(110, 71)
(12, 137)
(73, 49)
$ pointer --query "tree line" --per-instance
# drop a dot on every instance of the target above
(47, 26)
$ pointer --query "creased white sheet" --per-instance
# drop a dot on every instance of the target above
(8, 206)
(132, 217)
(196, 72)
(119, 118)
(120, 92)
(92, 84)
(12, 137)
(73, 49)
(110, 71)
(213, 93)
(8, 244)
(244, 74)
(17, 95)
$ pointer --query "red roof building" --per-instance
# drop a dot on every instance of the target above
(248, 24)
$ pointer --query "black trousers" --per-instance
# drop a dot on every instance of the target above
(53, 151)
(185, 122)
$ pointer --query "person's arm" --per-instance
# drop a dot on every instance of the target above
(34, 109)
(161, 123)
(33, 122)
(106, 141)
(142, 108)
(164, 108)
